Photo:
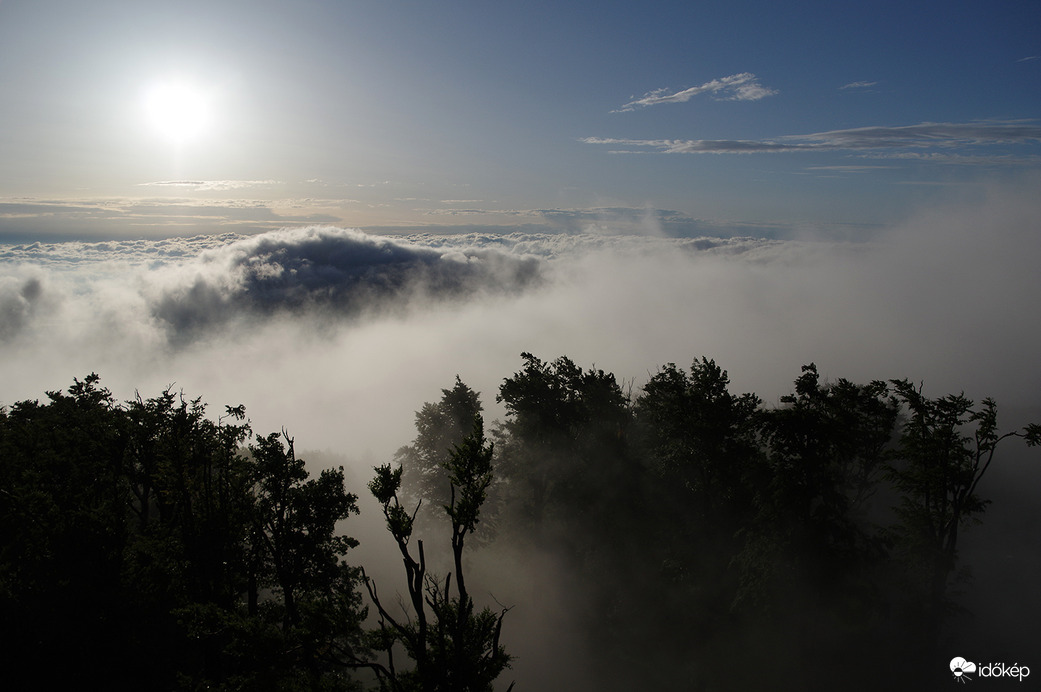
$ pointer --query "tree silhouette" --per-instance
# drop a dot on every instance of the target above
(701, 437)
(826, 450)
(946, 446)
(141, 546)
(719, 543)
(63, 528)
(296, 551)
(564, 445)
(453, 647)
(439, 428)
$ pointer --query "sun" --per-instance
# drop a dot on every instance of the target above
(177, 110)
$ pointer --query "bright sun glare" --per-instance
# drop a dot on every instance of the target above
(177, 110)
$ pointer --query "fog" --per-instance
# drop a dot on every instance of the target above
(340, 337)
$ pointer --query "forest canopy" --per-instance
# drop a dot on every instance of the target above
(148, 543)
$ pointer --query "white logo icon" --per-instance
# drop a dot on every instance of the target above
(961, 668)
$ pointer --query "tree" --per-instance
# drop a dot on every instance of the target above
(565, 444)
(191, 493)
(701, 437)
(62, 535)
(945, 448)
(439, 428)
(827, 447)
(699, 446)
(453, 647)
(579, 491)
(294, 549)
(188, 514)
(140, 543)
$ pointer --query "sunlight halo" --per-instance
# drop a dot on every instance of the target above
(177, 110)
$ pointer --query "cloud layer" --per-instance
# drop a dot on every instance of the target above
(364, 328)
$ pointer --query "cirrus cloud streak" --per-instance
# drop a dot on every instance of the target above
(736, 87)
(867, 139)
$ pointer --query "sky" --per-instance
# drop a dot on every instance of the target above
(686, 118)
(325, 211)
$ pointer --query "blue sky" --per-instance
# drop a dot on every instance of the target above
(401, 116)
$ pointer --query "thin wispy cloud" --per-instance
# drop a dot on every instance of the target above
(867, 139)
(858, 85)
(22, 219)
(737, 87)
(931, 134)
(848, 169)
(211, 185)
(1029, 58)
(1003, 160)
(696, 146)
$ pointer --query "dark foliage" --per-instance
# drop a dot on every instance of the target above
(143, 548)
(721, 544)
(439, 428)
(781, 542)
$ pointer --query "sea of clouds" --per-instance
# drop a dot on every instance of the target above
(340, 336)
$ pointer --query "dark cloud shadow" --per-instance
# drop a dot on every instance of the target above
(329, 270)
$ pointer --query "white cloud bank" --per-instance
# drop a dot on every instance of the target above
(341, 336)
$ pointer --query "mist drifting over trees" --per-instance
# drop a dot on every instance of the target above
(699, 538)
